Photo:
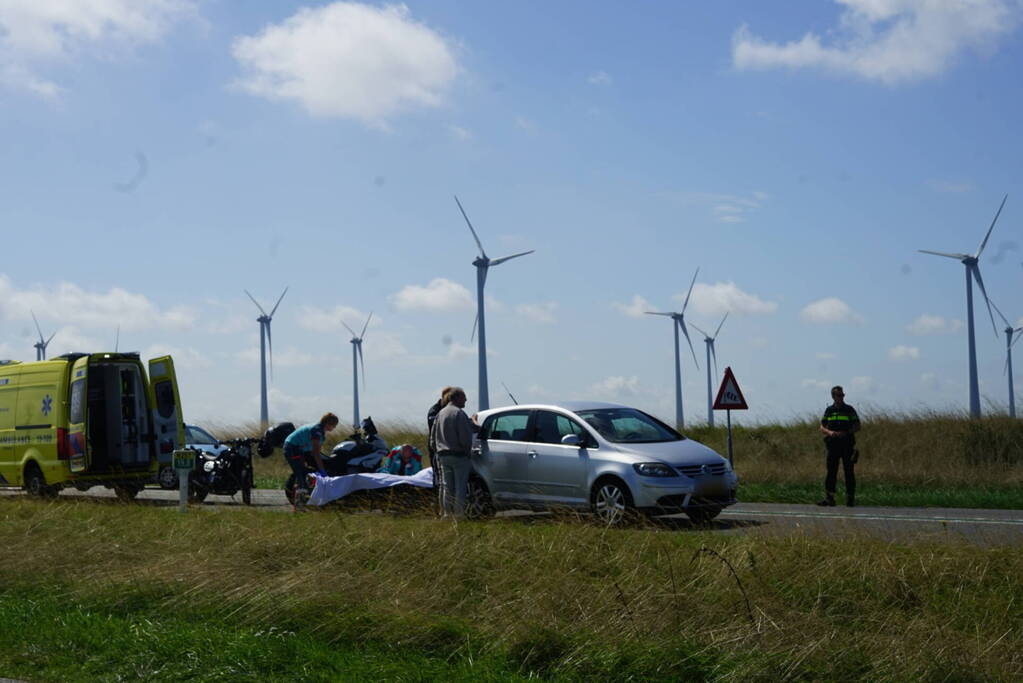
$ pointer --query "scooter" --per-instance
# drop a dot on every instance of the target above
(224, 474)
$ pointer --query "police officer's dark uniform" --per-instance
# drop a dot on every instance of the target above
(839, 424)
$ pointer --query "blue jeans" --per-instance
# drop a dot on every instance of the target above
(296, 461)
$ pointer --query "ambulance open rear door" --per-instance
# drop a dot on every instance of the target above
(165, 406)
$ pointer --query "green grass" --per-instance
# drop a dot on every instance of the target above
(888, 495)
(144, 592)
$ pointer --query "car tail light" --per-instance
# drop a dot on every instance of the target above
(63, 447)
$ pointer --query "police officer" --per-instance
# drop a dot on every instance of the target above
(839, 424)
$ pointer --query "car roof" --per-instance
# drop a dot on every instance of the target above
(571, 406)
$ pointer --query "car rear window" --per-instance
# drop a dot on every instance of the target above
(506, 426)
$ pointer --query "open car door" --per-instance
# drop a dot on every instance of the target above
(165, 406)
(80, 455)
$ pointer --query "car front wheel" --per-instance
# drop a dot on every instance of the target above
(167, 478)
(611, 502)
(478, 503)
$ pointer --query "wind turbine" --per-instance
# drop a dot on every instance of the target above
(356, 360)
(483, 263)
(973, 271)
(709, 341)
(41, 345)
(265, 342)
(680, 323)
(1012, 335)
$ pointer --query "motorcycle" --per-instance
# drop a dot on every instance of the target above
(224, 474)
(362, 451)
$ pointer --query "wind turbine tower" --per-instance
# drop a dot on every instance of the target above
(41, 345)
(709, 341)
(973, 271)
(265, 343)
(356, 361)
(1012, 335)
(483, 263)
(680, 324)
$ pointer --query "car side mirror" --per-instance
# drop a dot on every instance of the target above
(571, 440)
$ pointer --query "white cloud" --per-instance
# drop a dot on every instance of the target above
(825, 355)
(863, 383)
(70, 304)
(541, 313)
(725, 208)
(599, 78)
(440, 295)
(325, 320)
(934, 324)
(459, 133)
(635, 308)
(287, 358)
(186, 358)
(724, 297)
(459, 350)
(830, 310)
(902, 352)
(616, 387)
(38, 33)
(348, 60)
(815, 384)
(890, 41)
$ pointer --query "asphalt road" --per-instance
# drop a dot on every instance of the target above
(979, 527)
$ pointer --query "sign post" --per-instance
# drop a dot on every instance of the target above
(730, 398)
(184, 461)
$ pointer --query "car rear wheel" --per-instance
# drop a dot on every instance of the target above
(611, 502)
(167, 478)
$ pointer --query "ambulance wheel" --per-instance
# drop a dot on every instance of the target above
(167, 478)
(35, 483)
(126, 492)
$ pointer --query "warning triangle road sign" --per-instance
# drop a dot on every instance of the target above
(730, 395)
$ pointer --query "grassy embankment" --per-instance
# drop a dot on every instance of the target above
(95, 590)
(910, 460)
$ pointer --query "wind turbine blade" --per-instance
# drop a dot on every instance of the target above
(354, 336)
(37, 324)
(362, 363)
(474, 235)
(654, 313)
(980, 281)
(999, 312)
(363, 333)
(255, 302)
(475, 321)
(509, 393)
(1018, 337)
(957, 257)
(274, 310)
(984, 243)
(719, 326)
(499, 261)
(47, 342)
(689, 293)
(682, 324)
(117, 340)
(700, 331)
(714, 355)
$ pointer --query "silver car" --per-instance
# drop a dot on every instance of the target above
(604, 457)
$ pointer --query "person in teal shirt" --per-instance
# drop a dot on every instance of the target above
(304, 444)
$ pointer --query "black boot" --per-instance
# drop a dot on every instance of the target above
(829, 501)
(850, 500)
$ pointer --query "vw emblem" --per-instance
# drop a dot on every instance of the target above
(704, 469)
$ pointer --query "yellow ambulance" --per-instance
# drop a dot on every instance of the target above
(84, 420)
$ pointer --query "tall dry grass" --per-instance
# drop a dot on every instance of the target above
(556, 598)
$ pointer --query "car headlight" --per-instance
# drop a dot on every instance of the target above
(654, 469)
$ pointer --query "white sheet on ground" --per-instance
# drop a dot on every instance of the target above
(332, 488)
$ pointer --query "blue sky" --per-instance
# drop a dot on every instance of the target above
(160, 157)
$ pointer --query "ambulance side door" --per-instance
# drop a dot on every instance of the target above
(165, 406)
(80, 455)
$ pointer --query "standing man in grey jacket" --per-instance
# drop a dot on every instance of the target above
(452, 440)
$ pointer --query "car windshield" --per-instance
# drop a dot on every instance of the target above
(200, 436)
(627, 425)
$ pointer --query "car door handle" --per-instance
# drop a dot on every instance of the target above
(531, 454)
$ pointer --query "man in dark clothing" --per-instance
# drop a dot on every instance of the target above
(839, 424)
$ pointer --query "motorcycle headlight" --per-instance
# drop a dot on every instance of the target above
(654, 469)
(208, 466)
